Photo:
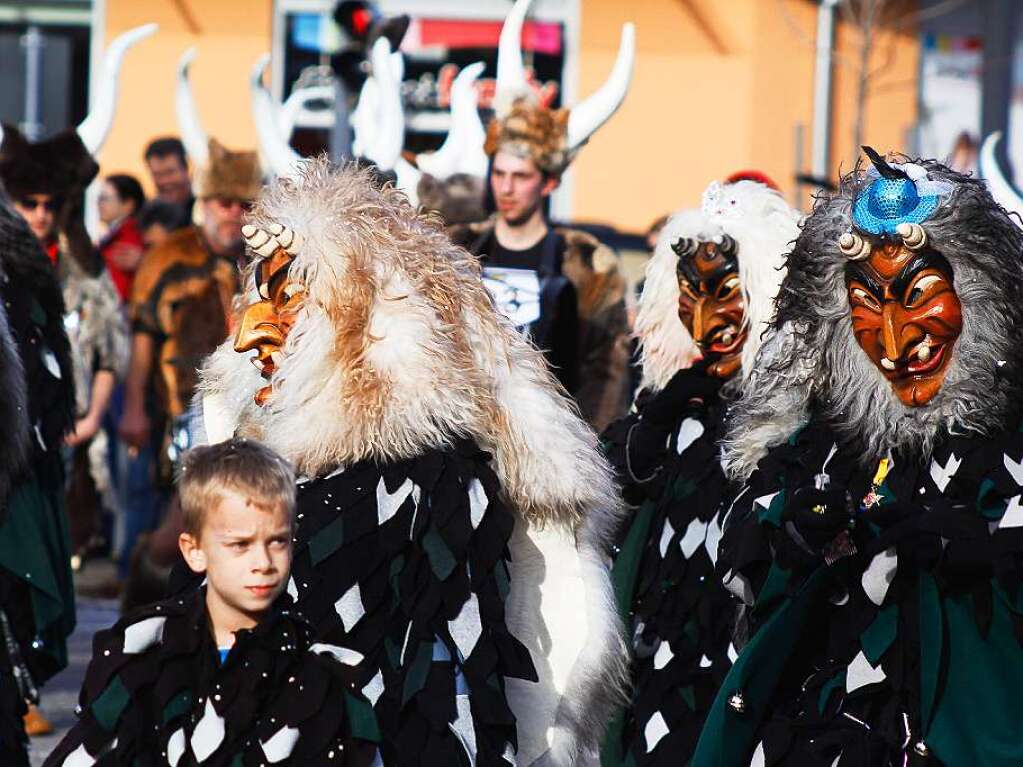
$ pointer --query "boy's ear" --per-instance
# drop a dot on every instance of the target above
(194, 556)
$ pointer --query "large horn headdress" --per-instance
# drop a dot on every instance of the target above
(1003, 192)
(278, 156)
(193, 135)
(462, 150)
(94, 129)
(520, 120)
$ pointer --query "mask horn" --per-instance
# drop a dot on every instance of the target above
(278, 156)
(999, 186)
(587, 117)
(462, 150)
(388, 69)
(93, 130)
(193, 136)
(511, 72)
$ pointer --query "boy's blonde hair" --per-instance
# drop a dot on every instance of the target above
(241, 466)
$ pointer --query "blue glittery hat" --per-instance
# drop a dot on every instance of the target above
(893, 198)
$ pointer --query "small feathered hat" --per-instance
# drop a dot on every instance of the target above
(550, 137)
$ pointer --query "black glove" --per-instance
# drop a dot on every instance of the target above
(818, 515)
(686, 385)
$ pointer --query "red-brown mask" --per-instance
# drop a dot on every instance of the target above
(264, 325)
(711, 303)
(906, 316)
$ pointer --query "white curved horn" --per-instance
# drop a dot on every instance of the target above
(364, 118)
(197, 143)
(296, 103)
(511, 72)
(93, 130)
(586, 117)
(462, 150)
(999, 186)
(390, 119)
(278, 156)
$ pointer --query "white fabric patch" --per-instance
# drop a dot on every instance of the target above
(208, 734)
(350, 608)
(667, 533)
(759, 758)
(765, 500)
(879, 575)
(292, 589)
(655, 729)
(690, 431)
(1013, 516)
(714, 533)
(280, 745)
(705, 662)
(345, 655)
(464, 728)
(733, 655)
(50, 361)
(1014, 468)
(466, 628)
(860, 673)
(942, 475)
(143, 635)
(663, 655)
(695, 535)
(175, 747)
(738, 586)
(478, 502)
(374, 688)
(79, 758)
(389, 503)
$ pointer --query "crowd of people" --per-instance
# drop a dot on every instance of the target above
(343, 444)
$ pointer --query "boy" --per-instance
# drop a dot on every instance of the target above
(222, 676)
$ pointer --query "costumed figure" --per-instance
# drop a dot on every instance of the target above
(36, 596)
(707, 298)
(455, 516)
(560, 285)
(46, 181)
(877, 533)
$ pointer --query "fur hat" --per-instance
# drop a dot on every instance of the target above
(235, 175)
(532, 131)
(60, 166)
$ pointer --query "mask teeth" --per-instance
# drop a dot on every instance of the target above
(256, 363)
(923, 352)
(277, 358)
(887, 364)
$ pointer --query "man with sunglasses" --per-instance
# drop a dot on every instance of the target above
(180, 310)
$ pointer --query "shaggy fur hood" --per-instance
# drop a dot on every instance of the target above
(811, 364)
(763, 226)
(399, 349)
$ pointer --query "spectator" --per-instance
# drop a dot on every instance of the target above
(121, 247)
(158, 220)
(168, 167)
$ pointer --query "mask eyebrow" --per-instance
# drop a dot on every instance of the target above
(928, 260)
(857, 272)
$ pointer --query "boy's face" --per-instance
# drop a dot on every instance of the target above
(245, 552)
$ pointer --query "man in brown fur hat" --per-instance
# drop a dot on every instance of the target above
(181, 304)
(563, 285)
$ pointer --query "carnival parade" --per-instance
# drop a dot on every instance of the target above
(540, 384)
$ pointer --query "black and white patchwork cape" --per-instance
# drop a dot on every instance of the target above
(156, 693)
(679, 614)
(405, 566)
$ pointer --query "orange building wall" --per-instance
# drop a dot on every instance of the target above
(231, 36)
(719, 87)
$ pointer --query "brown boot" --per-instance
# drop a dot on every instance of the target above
(36, 723)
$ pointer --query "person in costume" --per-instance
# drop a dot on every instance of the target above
(561, 285)
(707, 297)
(37, 610)
(878, 446)
(454, 514)
(223, 676)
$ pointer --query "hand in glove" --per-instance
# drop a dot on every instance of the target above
(818, 516)
(666, 406)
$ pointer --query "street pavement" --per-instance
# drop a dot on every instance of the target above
(60, 694)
